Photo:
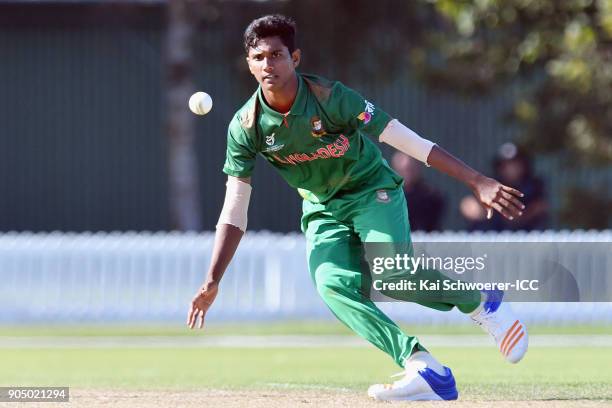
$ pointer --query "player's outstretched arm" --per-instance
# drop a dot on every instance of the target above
(490, 193)
(230, 229)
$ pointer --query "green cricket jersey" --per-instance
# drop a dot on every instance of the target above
(319, 146)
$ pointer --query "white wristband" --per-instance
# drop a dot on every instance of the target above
(236, 204)
(406, 141)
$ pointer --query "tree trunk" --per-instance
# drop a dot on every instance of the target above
(183, 168)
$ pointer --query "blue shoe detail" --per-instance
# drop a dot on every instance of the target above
(443, 385)
(494, 299)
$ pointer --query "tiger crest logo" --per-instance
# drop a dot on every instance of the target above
(317, 129)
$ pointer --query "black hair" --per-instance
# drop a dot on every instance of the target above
(511, 152)
(273, 25)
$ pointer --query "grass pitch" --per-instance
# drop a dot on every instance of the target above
(335, 376)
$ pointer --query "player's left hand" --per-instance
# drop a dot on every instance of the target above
(493, 195)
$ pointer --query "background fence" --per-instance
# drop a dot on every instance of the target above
(141, 277)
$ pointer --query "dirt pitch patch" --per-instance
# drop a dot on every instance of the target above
(274, 398)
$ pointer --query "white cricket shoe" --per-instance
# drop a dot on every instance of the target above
(419, 383)
(497, 318)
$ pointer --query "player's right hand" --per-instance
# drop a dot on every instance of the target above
(200, 304)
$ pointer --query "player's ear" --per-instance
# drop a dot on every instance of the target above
(248, 61)
(296, 56)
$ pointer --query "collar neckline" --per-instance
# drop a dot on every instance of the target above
(298, 104)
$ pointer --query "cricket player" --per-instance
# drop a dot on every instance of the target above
(319, 135)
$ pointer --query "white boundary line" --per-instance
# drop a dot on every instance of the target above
(288, 341)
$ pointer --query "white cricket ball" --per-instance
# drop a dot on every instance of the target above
(200, 103)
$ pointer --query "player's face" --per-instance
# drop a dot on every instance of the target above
(271, 63)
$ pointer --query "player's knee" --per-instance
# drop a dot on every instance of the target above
(396, 285)
(330, 283)
(327, 287)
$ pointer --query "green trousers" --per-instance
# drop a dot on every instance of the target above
(337, 235)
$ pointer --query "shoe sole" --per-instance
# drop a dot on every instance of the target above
(426, 396)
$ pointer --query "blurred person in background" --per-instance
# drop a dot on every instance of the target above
(425, 203)
(512, 166)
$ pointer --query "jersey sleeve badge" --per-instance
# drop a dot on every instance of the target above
(367, 113)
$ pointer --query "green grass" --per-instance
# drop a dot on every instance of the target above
(546, 373)
(272, 328)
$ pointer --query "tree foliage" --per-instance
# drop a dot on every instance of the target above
(558, 52)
